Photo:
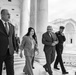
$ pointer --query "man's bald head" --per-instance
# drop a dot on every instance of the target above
(3, 11)
(5, 15)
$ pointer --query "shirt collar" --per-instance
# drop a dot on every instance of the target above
(3, 21)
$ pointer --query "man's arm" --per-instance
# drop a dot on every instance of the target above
(56, 40)
(63, 36)
(14, 39)
(44, 40)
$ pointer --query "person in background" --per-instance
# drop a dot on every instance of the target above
(49, 40)
(59, 50)
(17, 43)
(7, 43)
(28, 44)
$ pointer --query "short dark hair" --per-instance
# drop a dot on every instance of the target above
(62, 27)
(3, 10)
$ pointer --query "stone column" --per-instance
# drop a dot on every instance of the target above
(42, 23)
(24, 18)
(33, 13)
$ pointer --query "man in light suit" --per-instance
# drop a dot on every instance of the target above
(49, 40)
(7, 43)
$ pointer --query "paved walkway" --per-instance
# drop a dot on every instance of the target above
(39, 70)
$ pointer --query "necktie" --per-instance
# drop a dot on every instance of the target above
(6, 28)
(51, 35)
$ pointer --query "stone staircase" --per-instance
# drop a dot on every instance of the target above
(39, 70)
(68, 59)
(18, 60)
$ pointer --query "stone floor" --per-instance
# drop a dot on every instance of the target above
(39, 70)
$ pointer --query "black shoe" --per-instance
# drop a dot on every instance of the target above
(56, 68)
(45, 68)
(33, 67)
(64, 72)
(4, 68)
(50, 73)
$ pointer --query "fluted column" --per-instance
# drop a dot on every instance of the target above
(38, 12)
(33, 13)
(24, 18)
(42, 23)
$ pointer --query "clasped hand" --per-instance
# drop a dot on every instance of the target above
(54, 43)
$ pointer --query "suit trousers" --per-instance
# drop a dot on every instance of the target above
(49, 59)
(59, 50)
(9, 62)
(28, 65)
(32, 61)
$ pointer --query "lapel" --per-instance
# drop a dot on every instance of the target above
(10, 29)
(50, 38)
(54, 36)
(48, 35)
(2, 28)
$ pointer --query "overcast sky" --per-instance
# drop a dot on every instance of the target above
(61, 9)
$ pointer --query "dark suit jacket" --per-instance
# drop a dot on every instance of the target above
(47, 41)
(61, 39)
(7, 39)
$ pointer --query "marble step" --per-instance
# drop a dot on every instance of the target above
(18, 60)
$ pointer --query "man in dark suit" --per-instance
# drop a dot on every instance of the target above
(49, 40)
(7, 43)
(59, 50)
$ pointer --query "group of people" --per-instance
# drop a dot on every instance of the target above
(10, 43)
(52, 42)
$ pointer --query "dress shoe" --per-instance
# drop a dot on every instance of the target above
(50, 73)
(45, 68)
(56, 68)
(4, 68)
(33, 67)
(64, 72)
